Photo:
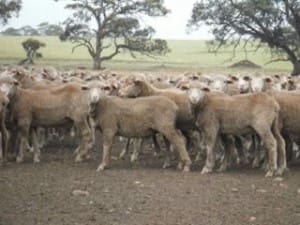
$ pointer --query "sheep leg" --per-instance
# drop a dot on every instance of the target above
(36, 149)
(137, 147)
(242, 159)
(4, 139)
(289, 147)
(210, 136)
(256, 146)
(229, 148)
(167, 161)
(108, 136)
(23, 125)
(125, 149)
(271, 148)
(280, 148)
(201, 151)
(85, 138)
(92, 128)
(177, 140)
(1, 150)
(157, 148)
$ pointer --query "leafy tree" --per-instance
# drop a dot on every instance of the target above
(28, 31)
(8, 9)
(116, 22)
(273, 23)
(31, 47)
(50, 29)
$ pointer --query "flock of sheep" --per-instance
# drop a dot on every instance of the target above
(230, 118)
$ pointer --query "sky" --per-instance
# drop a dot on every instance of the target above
(173, 26)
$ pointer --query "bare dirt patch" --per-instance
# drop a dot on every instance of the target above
(245, 64)
(141, 193)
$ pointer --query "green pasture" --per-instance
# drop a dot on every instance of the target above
(185, 55)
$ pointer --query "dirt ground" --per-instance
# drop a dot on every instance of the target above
(141, 193)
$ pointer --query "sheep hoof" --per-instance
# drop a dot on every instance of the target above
(100, 168)
(76, 151)
(133, 158)
(198, 158)
(180, 166)
(36, 159)
(255, 164)
(206, 170)
(186, 169)
(281, 170)
(222, 168)
(19, 159)
(167, 164)
(122, 155)
(270, 173)
(78, 159)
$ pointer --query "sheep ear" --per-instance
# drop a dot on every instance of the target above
(184, 88)
(228, 82)
(283, 85)
(137, 81)
(106, 88)
(234, 78)
(84, 88)
(277, 76)
(206, 89)
(268, 80)
(115, 84)
(246, 78)
(18, 73)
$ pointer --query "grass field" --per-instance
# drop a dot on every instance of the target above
(185, 55)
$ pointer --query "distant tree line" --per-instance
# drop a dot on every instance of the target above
(43, 29)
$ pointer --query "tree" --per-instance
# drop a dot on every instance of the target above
(117, 22)
(31, 47)
(271, 23)
(28, 31)
(50, 29)
(8, 9)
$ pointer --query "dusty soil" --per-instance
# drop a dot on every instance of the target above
(141, 193)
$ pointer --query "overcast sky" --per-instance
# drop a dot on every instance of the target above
(172, 26)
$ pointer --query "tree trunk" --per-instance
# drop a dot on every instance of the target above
(97, 63)
(296, 68)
